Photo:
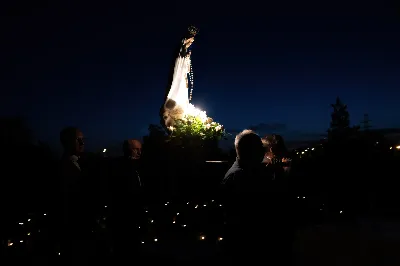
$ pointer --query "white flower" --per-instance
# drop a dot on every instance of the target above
(208, 126)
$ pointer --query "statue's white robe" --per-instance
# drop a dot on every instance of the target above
(179, 87)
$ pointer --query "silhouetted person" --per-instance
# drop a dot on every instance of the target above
(276, 156)
(126, 200)
(75, 224)
(279, 165)
(251, 204)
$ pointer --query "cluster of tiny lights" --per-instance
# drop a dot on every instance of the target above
(311, 149)
(202, 236)
(10, 243)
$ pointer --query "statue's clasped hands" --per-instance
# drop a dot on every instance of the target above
(188, 42)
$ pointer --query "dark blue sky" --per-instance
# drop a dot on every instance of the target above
(104, 68)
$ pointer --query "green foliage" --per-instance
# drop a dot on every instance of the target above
(195, 127)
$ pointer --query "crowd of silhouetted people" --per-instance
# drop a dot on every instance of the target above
(263, 180)
(252, 183)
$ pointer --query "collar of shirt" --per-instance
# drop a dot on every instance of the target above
(74, 159)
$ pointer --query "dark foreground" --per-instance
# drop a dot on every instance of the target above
(363, 244)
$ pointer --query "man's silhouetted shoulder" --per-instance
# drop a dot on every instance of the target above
(233, 175)
(238, 173)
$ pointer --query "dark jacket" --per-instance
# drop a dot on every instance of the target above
(247, 188)
(125, 182)
(256, 215)
(252, 204)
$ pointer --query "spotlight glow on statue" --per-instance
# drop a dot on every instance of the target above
(179, 115)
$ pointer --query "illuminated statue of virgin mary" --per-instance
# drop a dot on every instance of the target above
(177, 102)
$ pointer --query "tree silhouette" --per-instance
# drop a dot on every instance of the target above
(340, 116)
(15, 132)
(340, 120)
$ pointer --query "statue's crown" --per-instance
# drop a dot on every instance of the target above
(193, 30)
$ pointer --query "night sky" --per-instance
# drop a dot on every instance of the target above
(105, 67)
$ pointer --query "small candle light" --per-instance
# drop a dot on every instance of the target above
(155, 239)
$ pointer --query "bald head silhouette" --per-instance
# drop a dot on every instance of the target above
(132, 148)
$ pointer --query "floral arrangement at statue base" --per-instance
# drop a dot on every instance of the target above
(195, 124)
(196, 132)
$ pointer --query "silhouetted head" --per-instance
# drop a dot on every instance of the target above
(279, 148)
(72, 141)
(132, 148)
(268, 143)
(249, 147)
